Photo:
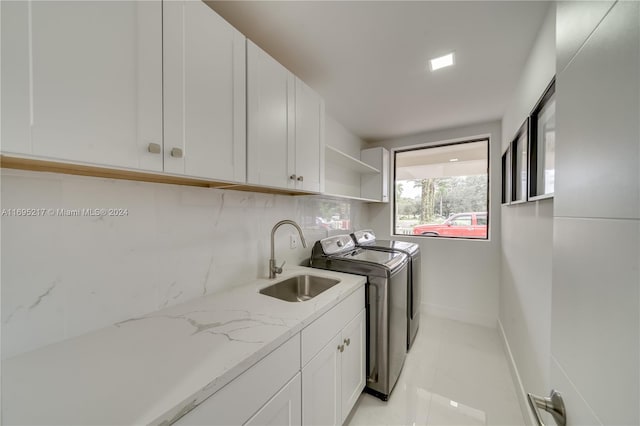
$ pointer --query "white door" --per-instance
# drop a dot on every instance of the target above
(204, 93)
(321, 386)
(353, 363)
(595, 327)
(284, 409)
(309, 146)
(86, 79)
(270, 119)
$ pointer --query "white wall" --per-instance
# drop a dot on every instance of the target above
(339, 137)
(595, 315)
(460, 277)
(64, 276)
(527, 239)
(570, 291)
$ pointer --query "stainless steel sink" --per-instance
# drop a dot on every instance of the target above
(299, 288)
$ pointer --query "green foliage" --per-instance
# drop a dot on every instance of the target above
(442, 197)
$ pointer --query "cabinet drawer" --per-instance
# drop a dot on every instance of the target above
(242, 398)
(316, 335)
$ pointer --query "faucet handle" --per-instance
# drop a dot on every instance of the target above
(278, 269)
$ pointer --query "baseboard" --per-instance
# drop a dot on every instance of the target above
(527, 415)
(458, 315)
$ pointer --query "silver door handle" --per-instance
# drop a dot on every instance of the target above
(300, 178)
(176, 153)
(154, 148)
(552, 404)
(347, 341)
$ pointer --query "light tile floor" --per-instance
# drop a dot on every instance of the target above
(455, 374)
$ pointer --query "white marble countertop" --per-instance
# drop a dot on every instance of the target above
(146, 370)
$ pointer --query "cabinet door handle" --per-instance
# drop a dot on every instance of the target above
(347, 341)
(154, 148)
(300, 178)
(176, 152)
(293, 177)
(341, 348)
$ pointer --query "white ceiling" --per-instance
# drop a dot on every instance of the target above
(368, 59)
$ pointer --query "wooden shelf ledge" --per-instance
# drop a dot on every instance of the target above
(38, 165)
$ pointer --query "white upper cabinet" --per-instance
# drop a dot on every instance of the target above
(165, 86)
(204, 93)
(82, 81)
(270, 101)
(375, 186)
(309, 139)
(285, 140)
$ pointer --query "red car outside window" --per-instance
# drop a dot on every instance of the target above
(464, 225)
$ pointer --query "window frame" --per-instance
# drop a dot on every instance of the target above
(516, 175)
(506, 176)
(461, 141)
(533, 190)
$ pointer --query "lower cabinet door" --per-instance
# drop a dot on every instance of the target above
(284, 409)
(321, 386)
(353, 363)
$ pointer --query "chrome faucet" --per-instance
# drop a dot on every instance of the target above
(273, 269)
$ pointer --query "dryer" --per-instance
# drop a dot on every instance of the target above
(386, 292)
(366, 239)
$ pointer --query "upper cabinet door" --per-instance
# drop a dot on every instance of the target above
(85, 79)
(309, 136)
(204, 93)
(270, 104)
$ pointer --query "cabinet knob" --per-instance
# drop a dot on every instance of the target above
(293, 177)
(154, 148)
(341, 348)
(347, 341)
(176, 152)
(300, 178)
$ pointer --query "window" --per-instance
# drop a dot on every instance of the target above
(464, 220)
(519, 149)
(442, 190)
(543, 143)
(328, 215)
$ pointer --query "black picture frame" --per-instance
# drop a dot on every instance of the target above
(542, 145)
(506, 176)
(519, 147)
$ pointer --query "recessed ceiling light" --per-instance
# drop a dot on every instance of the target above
(441, 62)
(453, 160)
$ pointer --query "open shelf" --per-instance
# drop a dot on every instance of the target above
(341, 159)
(348, 197)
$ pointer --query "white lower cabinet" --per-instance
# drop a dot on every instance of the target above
(321, 387)
(314, 378)
(335, 377)
(239, 400)
(284, 409)
(353, 363)
(334, 362)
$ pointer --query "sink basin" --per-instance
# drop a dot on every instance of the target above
(299, 288)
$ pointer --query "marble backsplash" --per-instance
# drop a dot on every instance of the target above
(65, 275)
